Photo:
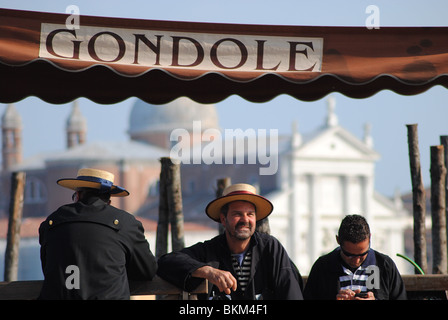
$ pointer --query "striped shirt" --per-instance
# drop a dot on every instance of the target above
(357, 279)
(241, 265)
(354, 280)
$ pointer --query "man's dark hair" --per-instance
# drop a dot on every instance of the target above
(354, 228)
(85, 194)
(225, 209)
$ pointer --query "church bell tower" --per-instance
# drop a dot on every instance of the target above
(11, 138)
(76, 127)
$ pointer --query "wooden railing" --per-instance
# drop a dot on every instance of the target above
(422, 287)
(29, 290)
(417, 286)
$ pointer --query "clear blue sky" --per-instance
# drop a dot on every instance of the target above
(387, 112)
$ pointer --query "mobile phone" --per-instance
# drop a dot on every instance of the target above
(361, 295)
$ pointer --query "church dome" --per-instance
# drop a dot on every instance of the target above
(146, 118)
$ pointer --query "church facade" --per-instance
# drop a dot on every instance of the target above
(325, 177)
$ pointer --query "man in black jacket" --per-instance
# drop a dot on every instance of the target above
(354, 271)
(90, 249)
(241, 263)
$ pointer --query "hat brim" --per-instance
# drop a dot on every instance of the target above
(263, 206)
(74, 184)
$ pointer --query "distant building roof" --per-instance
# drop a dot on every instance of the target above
(106, 150)
(111, 150)
(30, 226)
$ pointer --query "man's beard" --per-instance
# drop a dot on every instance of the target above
(241, 232)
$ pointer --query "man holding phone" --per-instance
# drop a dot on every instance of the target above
(354, 271)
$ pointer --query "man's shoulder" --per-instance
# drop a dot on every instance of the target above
(216, 240)
(59, 214)
(383, 259)
(120, 212)
(331, 255)
(267, 242)
(265, 238)
(74, 212)
(327, 260)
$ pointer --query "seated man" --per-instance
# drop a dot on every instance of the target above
(90, 249)
(241, 263)
(354, 271)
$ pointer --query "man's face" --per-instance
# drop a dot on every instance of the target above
(354, 254)
(240, 221)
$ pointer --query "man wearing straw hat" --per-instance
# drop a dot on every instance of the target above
(90, 249)
(241, 263)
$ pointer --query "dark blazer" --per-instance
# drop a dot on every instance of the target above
(105, 244)
(273, 275)
(323, 280)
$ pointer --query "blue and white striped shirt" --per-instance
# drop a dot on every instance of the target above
(357, 279)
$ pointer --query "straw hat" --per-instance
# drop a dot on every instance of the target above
(95, 179)
(240, 191)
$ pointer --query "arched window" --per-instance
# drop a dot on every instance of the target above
(35, 191)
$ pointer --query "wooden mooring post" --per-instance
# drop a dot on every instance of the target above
(170, 208)
(438, 176)
(14, 224)
(418, 199)
(444, 143)
(221, 185)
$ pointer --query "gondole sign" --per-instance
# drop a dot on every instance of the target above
(168, 49)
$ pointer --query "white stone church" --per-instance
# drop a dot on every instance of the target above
(324, 177)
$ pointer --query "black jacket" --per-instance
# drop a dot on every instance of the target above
(323, 280)
(273, 275)
(107, 245)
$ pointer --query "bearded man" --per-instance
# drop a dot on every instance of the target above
(241, 263)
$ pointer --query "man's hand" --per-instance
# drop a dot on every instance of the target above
(224, 280)
(347, 294)
(370, 296)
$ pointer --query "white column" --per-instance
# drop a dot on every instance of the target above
(293, 235)
(315, 225)
(345, 198)
(366, 204)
